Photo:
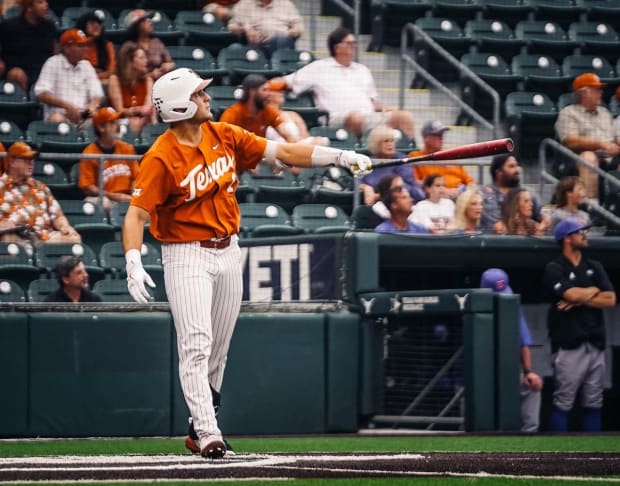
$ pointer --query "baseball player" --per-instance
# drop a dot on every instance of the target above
(579, 288)
(186, 185)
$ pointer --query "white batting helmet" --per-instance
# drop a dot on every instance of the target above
(172, 92)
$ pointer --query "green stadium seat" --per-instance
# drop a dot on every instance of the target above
(204, 29)
(338, 137)
(113, 290)
(71, 14)
(364, 218)
(283, 189)
(241, 60)
(112, 257)
(198, 59)
(602, 11)
(595, 38)
(151, 132)
(545, 37)
(10, 291)
(265, 219)
(16, 264)
(10, 132)
(493, 36)
(49, 172)
(16, 106)
(40, 288)
(50, 136)
(509, 11)
(286, 61)
(564, 12)
(389, 16)
(541, 73)
(47, 255)
(90, 221)
(320, 218)
(577, 64)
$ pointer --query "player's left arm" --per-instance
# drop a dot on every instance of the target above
(304, 156)
(605, 298)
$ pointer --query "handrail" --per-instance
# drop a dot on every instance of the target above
(414, 30)
(548, 177)
(353, 12)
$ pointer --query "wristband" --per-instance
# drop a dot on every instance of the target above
(324, 156)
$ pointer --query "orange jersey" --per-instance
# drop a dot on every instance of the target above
(118, 175)
(136, 94)
(454, 175)
(238, 114)
(189, 192)
(93, 57)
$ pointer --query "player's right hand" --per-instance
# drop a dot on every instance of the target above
(137, 277)
(358, 164)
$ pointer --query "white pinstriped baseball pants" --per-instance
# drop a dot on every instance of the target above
(204, 288)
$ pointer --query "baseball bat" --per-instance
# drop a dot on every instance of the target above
(480, 149)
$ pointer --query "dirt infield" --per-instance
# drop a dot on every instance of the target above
(170, 467)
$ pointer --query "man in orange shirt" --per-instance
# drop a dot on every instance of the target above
(118, 175)
(186, 185)
(455, 177)
(254, 113)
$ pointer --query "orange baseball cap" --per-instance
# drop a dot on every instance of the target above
(74, 36)
(587, 80)
(105, 115)
(21, 150)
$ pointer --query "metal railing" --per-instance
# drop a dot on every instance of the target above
(406, 60)
(354, 12)
(546, 176)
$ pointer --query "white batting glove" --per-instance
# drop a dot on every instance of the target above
(137, 277)
(358, 164)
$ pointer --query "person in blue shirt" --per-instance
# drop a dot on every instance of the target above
(400, 204)
(496, 279)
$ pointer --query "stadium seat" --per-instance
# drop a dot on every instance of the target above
(595, 38)
(204, 29)
(602, 11)
(389, 16)
(151, 132)
(303, 104)
(530, 118)
(112, 257)
(113, 290)
(265, 219)
(10, 132)
(243, 60)
(71, 14)
(16, 106)
(89, 220)
(338, 137)
(541, 73)
(566, 99)
(169, 7)
(47, 255)
(509, 11)
(283, 189)
(449, 35)
(16, 264)
(461, 11)
(286, 61)
(577, 64)
(199, 59)
(11, 291)
(493, 36)
(40, 288)
(614, 105)
(49, 172)
(320, 218)
(364, 218)
(564, 12)
(117, 214)
(50, 136)
(545, 38)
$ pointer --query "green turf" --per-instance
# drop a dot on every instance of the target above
(465, 443)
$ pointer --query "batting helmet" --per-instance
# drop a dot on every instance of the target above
(172, 93)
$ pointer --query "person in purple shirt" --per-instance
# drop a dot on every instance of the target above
(496, 279)
(382, 145)
(400, 204)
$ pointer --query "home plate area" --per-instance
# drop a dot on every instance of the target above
(282, 466)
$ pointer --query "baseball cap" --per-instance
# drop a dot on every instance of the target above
(433, 127)
(104, 115)
(587, 80)
(21, 150)
(496, 280)
(567, 227)
(136, 16)
(253, 81)
(74, 36)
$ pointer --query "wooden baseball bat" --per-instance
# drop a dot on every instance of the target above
(480, 149)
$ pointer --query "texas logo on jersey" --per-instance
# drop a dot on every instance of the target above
(202, 175)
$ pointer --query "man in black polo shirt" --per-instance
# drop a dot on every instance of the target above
(73, 282)
(579, 288)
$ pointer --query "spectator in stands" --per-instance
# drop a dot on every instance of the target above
(517, 215)
(130, 87)
(467, 213)
(436, 212)
(68, 85)
(295, 122)
(531, 383)
(100, 52)
(578, 289)
(400, 204)
(570, 193)
(455, 177)
(267, 25)
(505, 174)
(139, 27)
(219, 8)
(72, 282)
(345, 89)
(587, 128)
(26, 201)
(382, 144)
(26, 42)
(118, 175)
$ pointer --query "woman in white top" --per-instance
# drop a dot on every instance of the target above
(435, 212)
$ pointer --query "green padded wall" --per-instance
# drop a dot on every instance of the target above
(14, 375)
(106, 374)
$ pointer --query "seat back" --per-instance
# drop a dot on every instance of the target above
(40, 288)
(320, 218)
(585, 32)
(49, 172)
(11, 292)
(10, 132)
(486, 63)
(112, 256)
(47, 255)
(71, 14)
(286, 61)
(80, 212)
(440, 28)
(113, 290)
(520, 103)
(577, 64)
(488, 29)
(540, 30)
(536, 65)
(62, 136)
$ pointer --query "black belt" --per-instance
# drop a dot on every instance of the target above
(217, 243)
